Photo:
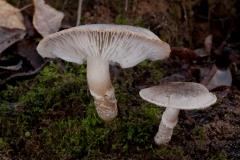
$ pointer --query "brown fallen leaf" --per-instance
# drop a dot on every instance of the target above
(231, 53)
(235, 58)
(11, 17)
(9, 37)
(188, 56)
(184, 53)
(27, 49)
(46, 19)
(31, 31)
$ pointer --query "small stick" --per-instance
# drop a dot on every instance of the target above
(209, 76)
(185, 12)
(79, 12)
(126, 6)
(25, 7)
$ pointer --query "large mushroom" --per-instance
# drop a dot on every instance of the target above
(100, 45)
(175, 96)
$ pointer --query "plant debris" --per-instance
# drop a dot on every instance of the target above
(46, 19)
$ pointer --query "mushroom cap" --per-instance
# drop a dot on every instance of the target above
(180, 95)
(125, 45)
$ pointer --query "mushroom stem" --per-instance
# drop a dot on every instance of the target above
(168, 122)
(101, 88)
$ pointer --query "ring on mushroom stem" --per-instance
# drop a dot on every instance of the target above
(175, 96)
(100, 44)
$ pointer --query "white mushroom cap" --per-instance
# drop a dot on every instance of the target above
(125, 45)
(180, 95)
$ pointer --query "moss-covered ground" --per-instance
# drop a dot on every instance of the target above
(52, 116)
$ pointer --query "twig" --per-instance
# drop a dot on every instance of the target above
(25, 7)
(184, 11)
(79, 12)
(24, 75)
(226, 39)
(209, 76)
(126, 6)
(211, 8)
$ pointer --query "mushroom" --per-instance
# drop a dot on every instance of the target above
(175, 96)
(100, 45)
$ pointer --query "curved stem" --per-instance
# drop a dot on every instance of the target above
(168, 122)
(101, 88)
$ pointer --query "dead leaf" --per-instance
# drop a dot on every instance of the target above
(22, 76)
(201, 52)
(183, 76)
(11, 17)
(231, 53)
(218, 52)
(217, 77)
(31, 31)
(9, 37)
(235, 58)
(221, 78)
(206, 50)
(46, 19)
(207, 74)
(65, 25)
(14, 68)
(27, 49)
(189, 56)
(184, 53)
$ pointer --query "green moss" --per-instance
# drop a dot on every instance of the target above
(56, 111)
(180, 43)
(175, 11)
(217, 104)
(75, 137)
(200, 133)
(83, 19)
(52, 116)
(156, 72)
(121, 20)
(2, 143)
(170, 153)
(144, 64)
(117, 2)
(139, 22)
(221, 156)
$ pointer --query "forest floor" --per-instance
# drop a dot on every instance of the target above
(49, 113)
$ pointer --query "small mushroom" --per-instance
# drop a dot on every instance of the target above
(100, 45)
(175, 96)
